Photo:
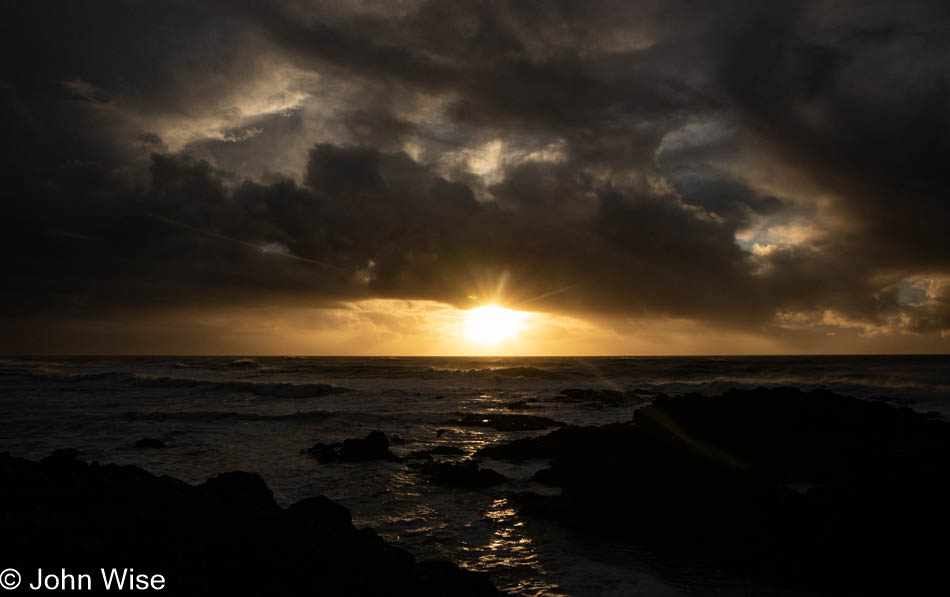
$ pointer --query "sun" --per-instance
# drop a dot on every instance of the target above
(492, 325)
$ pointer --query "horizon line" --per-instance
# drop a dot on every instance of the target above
(476, 356)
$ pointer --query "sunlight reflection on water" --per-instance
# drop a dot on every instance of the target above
(509, 547)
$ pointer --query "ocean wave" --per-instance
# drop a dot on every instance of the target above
(278, 390)
(103, 376)
(121, 379)
(215, 416)
(244, 364)
(513, 372)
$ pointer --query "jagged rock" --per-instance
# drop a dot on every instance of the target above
(466, 474)
(374, 446)
(508, 422)
(438, 451)
(224, 537)
(238, 488)
(717, 476)
(323, 511)
(65, 454)
(149, 443)
(551, 445)
(522, 404)
(597, 398)
(325, 452)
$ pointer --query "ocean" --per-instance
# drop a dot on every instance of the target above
(260, 414)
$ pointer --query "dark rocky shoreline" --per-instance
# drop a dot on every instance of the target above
(225, 537)
(797, 492)
(810, 491)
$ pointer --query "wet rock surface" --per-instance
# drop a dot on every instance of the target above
(808, 490)
(598, 398)
(523, 404)
(551, 445)
(149, 443)
(374, 446)
(224, 537)
(466, 474)
(437, 451)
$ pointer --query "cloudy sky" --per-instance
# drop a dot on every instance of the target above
(642, 177)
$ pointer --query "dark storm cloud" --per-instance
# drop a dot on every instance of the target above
(629, 140)
(859, 102)
(364, 224)
(63, 59)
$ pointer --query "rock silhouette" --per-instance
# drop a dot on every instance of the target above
(149, 443)
(437, 451)
(224, 537)
(466, 474)
(807, 490)
(597, 398)
(522, 404)
(374, 446)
